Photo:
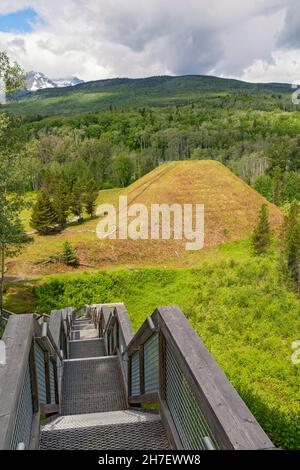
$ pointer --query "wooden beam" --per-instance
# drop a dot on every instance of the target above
(142, 370)
(124, 323)
(47, 377)
(33, 378)
(56, 385)
(129, 375)
(140, 338)
(48, 408)
(232, 423)
(35, 432)
(18, 341)
(162, 366)
(169, 426)
(151, 398)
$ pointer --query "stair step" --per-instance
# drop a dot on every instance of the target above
(82, 322)
(92, 386)
(124, 430)
(84, 334)
(83, 326)
(87, 348)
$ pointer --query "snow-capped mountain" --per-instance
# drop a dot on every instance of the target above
(38, 81)
(69, 81)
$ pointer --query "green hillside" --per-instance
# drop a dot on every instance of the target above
(154, 91)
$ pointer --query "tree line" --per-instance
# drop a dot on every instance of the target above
(118, 146)
(56, 201)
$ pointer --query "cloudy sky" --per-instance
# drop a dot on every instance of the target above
(255, 40)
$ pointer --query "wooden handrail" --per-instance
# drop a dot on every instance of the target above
(18, 340)
(230, 421)
(228, 416)
(23, 333)
(124, 323)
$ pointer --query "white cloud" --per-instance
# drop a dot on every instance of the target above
(284, 68)
(104, 38)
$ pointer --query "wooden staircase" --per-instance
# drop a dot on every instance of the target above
(94, 410)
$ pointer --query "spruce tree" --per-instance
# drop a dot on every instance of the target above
(76, 199)
(44, 218)
(68, 255)
(61, 201)
(277, 186)
(58, 191)
(291, 243)
(261, 237)
(90, 197)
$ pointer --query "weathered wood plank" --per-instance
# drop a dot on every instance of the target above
(169, 426)
(124, 323)
(55, 324)
(18, 340)
(140, 337)
(150, 398)
(48, 408)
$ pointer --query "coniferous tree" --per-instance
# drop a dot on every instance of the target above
(44, 218)
(76, 199)
(61, 201)
(291, 243)
(277, 186)
(261, 237)
(69, 256)
(90, 197)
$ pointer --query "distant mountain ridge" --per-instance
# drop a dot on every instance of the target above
(39, 81)
(52, 98)
(162, 82)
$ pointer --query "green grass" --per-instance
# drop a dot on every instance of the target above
(19, 297)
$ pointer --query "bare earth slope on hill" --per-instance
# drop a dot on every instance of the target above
(231, 209)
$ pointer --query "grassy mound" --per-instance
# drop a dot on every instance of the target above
(231, 209)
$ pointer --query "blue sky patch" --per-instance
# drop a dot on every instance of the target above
(19, 22)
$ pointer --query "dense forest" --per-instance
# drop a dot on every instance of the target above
(256, 135)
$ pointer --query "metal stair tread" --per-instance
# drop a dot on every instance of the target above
(88, 348)
(92, 385)
(84, 334)
(99, 419)
(123, 436)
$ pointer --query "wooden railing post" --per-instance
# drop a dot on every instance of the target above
(33, 379)
(117, 335)
(142, 370)
(47, 377)
(162, 366)
(129, 375)
(56, 382)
